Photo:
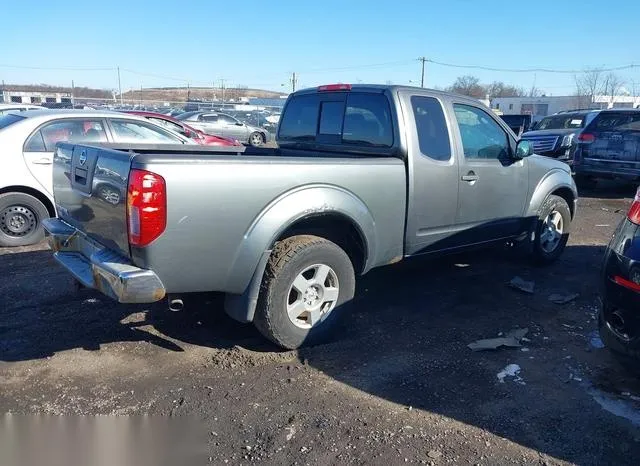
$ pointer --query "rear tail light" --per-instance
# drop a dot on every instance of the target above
(146, 207)
(634, 211)
(627, 283)
(334, 87)
(586, 138)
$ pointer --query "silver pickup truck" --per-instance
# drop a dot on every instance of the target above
(364, 176)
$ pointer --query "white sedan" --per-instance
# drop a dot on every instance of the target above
(27, 142)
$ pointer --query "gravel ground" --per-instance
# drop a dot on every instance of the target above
(397, 384)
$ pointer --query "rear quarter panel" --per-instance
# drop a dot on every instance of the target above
(224, 212)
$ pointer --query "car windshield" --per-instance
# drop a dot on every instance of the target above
(561, 122)
(9, 119)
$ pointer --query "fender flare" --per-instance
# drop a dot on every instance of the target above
(245, 274)
(552, 182)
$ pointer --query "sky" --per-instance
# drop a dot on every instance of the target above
(260, 44)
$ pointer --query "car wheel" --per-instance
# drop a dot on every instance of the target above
(552, 230)
(308, 280)
(256, 139)
(21, 219)
(620, 338)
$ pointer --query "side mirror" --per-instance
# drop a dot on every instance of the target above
(238, 123)
(524, 148)
(187, 133)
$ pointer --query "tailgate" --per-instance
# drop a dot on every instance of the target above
(90, 191)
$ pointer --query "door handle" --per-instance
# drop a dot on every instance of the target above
(471, 176)
(43, 161)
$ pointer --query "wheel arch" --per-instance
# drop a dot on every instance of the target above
(33, 193)
(329, 212)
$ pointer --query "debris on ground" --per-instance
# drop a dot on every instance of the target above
(434, 454)
(511, 339)
(595, 341)
(563, 298)
(603, 225)
(522, 284)
(512, 370)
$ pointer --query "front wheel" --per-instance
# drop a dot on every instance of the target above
(307, 281)
(21, 219)
(552, 230)
(256, 139)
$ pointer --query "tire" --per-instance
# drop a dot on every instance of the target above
(551, 230)
(21, 217)
(256, 139)
(300, 259)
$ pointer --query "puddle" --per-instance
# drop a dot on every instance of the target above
(622, 407)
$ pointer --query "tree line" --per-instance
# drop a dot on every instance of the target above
(589, 84)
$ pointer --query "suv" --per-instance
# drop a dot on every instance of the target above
(609, 147)
(554, 135)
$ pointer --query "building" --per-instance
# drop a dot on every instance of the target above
(34, 95)
(548, 105)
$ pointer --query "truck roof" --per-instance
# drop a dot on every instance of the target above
(384, 87)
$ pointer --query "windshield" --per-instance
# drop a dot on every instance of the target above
(9, 119)
(561, 122)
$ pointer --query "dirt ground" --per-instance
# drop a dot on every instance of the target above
(398, 384)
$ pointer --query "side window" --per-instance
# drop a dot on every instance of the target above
(300, 120)
(77, 131)
(367, 120)
(227, 120)
(167, 124)
(433, 135)
(35, 143)
(482, 137)
(208, 118)
(137, 131)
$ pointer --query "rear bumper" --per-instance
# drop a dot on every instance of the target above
(100, 268)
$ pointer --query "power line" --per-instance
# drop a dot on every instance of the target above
(47, 68)
(533, 70)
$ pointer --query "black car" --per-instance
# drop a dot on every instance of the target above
(555, 135)
(609, 147)
(619, 318)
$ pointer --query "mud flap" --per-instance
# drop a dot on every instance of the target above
(241, 307)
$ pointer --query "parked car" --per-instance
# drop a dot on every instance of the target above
(364, 176)
(12, 108)
(609, 147)
(619, 317)
(28, 141)
(181, 127)
(556, 135)
(225, 125)
(518, 123)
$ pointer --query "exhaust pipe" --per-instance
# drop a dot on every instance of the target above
(175, 304)
(617, 321)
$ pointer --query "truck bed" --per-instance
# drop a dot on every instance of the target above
(222, 209)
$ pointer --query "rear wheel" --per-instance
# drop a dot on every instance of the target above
(256, 139)
(552, 230)
(307, 282)
(21, 217)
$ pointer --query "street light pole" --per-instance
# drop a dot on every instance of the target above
(119, 86)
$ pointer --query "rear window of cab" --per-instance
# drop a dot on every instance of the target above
(356, 118)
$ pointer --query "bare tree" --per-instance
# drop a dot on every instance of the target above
(468, 85)
(611, 85)
(500, 89)
(590, 83)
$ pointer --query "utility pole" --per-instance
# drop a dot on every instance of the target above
(73, 101)
(294, 80)
(3, 91)
(188, 92)
(423, 60)
(140, 99)
(119, 86)
(222, 88)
